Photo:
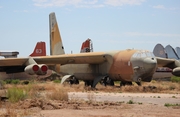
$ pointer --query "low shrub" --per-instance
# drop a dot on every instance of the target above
(130, 102)
(168, 105)
(175, 79)
(57, 81)
(12, 81)
(15, 94)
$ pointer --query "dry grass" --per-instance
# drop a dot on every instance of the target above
(58, 94)
(56, 91)
(10, 110)
(153, 87)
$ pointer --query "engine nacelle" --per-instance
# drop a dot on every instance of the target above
(36, 69)
(32, 69)
(176, 71)
(42, 69)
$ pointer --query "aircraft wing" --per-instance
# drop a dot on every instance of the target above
(13, 61)
(28, 65)
(165, 62)
(81, 58)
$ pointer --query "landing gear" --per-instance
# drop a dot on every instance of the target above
(123, 83)
(73, 80)
(70, 79)
(138, 83)
(107, 81)
(88, 83)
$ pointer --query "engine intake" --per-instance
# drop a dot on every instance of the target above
(176, 71)
(42, 69)
(32, 69)
(36, 69)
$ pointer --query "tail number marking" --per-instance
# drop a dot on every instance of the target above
(38, 51)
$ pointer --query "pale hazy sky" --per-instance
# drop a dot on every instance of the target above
(111, 24)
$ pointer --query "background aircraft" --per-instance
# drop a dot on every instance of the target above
(9, 54)
(39, 50)
(126, 66)
(87, 46)
(167, 52)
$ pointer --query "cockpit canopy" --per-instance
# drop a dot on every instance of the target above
(143, 53)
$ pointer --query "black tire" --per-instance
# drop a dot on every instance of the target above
(138, 83)
(123, 83)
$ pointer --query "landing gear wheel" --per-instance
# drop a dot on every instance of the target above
(138, 83)
(110, 82)
(123, 83)
(88, 83)
(73, 81)
(107, 81)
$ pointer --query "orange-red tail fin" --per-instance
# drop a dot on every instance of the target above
(86, 46)
(39, 50)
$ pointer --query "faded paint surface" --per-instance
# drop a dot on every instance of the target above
(39, 50)
(56, 46)
(122, 66)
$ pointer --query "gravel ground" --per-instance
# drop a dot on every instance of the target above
(145, 105)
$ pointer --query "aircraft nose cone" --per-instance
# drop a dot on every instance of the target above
(150, 64)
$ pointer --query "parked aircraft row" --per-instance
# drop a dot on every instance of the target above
(39, 50)
(126, 66)
(167, 52)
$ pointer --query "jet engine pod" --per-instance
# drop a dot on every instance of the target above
(31, 69)
(42, 69)
(176, 71)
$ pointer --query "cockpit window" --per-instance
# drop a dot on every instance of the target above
(140, 54)
(150, 54)
(143, 54)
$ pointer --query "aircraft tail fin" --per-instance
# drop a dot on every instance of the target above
(159, 51)
(39, 50)
(87, 46)
(56, 45)
(178, 51)
(171, 53)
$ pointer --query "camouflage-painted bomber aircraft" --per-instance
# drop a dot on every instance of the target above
(126, 65)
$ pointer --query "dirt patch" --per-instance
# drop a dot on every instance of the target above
(43, 101)
(72, 104)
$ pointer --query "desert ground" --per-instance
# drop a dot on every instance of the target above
(118, 105)
(50, 99)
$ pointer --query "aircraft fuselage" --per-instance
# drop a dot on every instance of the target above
(127, 65)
